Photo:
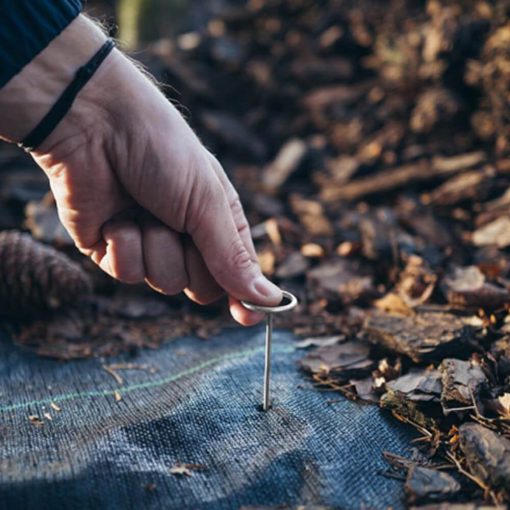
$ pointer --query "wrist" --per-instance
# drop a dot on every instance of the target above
(111, 107)
(29, 95)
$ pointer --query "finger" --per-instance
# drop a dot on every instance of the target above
(202, 287)
(163, 257)
(123, 257)
(235, 206)
(214, 232)
(237, 310)
(189, 197)
(242, 314)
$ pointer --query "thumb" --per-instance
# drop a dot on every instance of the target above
(219, 240)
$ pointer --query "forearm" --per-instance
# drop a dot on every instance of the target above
(29, 95)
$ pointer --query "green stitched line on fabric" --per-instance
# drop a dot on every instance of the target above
(144, 385)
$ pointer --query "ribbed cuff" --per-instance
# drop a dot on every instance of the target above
(27, 27)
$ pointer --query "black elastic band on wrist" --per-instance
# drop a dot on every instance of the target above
(66, 100)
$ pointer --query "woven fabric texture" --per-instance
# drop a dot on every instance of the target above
(199, 406)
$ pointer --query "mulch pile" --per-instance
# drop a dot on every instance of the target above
(370, 144)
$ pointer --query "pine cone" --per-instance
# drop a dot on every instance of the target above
(36, 278)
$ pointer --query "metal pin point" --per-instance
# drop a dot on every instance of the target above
(269, 311)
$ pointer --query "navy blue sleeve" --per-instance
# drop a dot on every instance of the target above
(27, 27)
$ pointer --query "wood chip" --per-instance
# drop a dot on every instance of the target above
(421, 336)
(496, 233)
(35, 420)
(461, 381)
(319, 342)
(405, 175)
(487, 454)
(419, 385)
(312, 250)
(350, 359)
(426, 484)
(467, 287)
(180, 469)
(55, 407)
(285, 163)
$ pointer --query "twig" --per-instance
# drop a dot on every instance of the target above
(112, 370)
(115, 375)
(421, 429)
(472, 477)
(447, 410)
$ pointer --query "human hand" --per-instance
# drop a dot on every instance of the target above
(141, 196)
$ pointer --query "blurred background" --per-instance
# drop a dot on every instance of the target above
(138, 22)
(368, 141)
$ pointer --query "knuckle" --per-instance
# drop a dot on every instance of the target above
(240, 258)
(236, 206)
(238, 213)
(242, 225)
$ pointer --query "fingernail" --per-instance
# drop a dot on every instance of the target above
(267, 290)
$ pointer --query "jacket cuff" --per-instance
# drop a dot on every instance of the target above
(27, 27)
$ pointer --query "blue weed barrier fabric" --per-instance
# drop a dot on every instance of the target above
(200, 407)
